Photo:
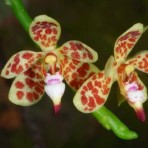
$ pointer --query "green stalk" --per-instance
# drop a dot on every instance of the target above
(103, 115)
(20, 12)
(111, 122)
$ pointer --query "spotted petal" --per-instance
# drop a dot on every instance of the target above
(126, 41)
(78, 51)
(76, 73)
(45, 31)
(140, 61)
(28, 87)
(19, 63)
(93, 93)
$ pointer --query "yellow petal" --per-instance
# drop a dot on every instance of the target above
(76, 73)
(93, 93)
(125, 43)
(45, 31)
(27, 88)
(139, 61)
(19, 63)
(78, 51)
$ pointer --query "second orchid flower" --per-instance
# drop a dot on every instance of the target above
(94, 92)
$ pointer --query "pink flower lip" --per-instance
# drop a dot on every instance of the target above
(53, 81)
(133, 88)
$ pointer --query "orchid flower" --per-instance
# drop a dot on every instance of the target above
(94, 92)
(37, 72)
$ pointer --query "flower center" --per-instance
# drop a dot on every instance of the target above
(129, 69)
(51, 60)
(133, 94)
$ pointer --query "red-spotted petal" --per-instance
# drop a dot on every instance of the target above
(76, 73)
(28, 87)
(140, 61)
(126, 42)
(93, 93)
(19, 63)
(45, 31)
(78, 51)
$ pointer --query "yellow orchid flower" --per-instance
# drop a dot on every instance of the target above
(37, 72)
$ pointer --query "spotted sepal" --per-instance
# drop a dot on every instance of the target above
(78, 51)
(93, 93)
(19, 63)
(45, 31)
(76, 73)
(140, 61)
(28, 87)
(110, 68)
(126, 41)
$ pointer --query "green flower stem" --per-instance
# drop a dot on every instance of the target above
(111, 122)
(20, 12)
(103, 115)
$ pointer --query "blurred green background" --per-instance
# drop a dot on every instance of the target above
(97, 23)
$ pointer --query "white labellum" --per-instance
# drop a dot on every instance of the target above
(134, 95)
(54, 87)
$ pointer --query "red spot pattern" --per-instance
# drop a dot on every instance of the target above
(35, 95)
(82, 71)
(30, 96)
(95, 92)
(19, 94)
(15, 66)
(7, 72)
(27, 55)
(19, 84)
(75, 72)
(121, 69)
(77, 51)
(84, 99)
(45, 33)
(132, 62)
(31, 87)
(142, 63)
(30, 83)
(125, 43)
(30, 73)
(21, 61)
